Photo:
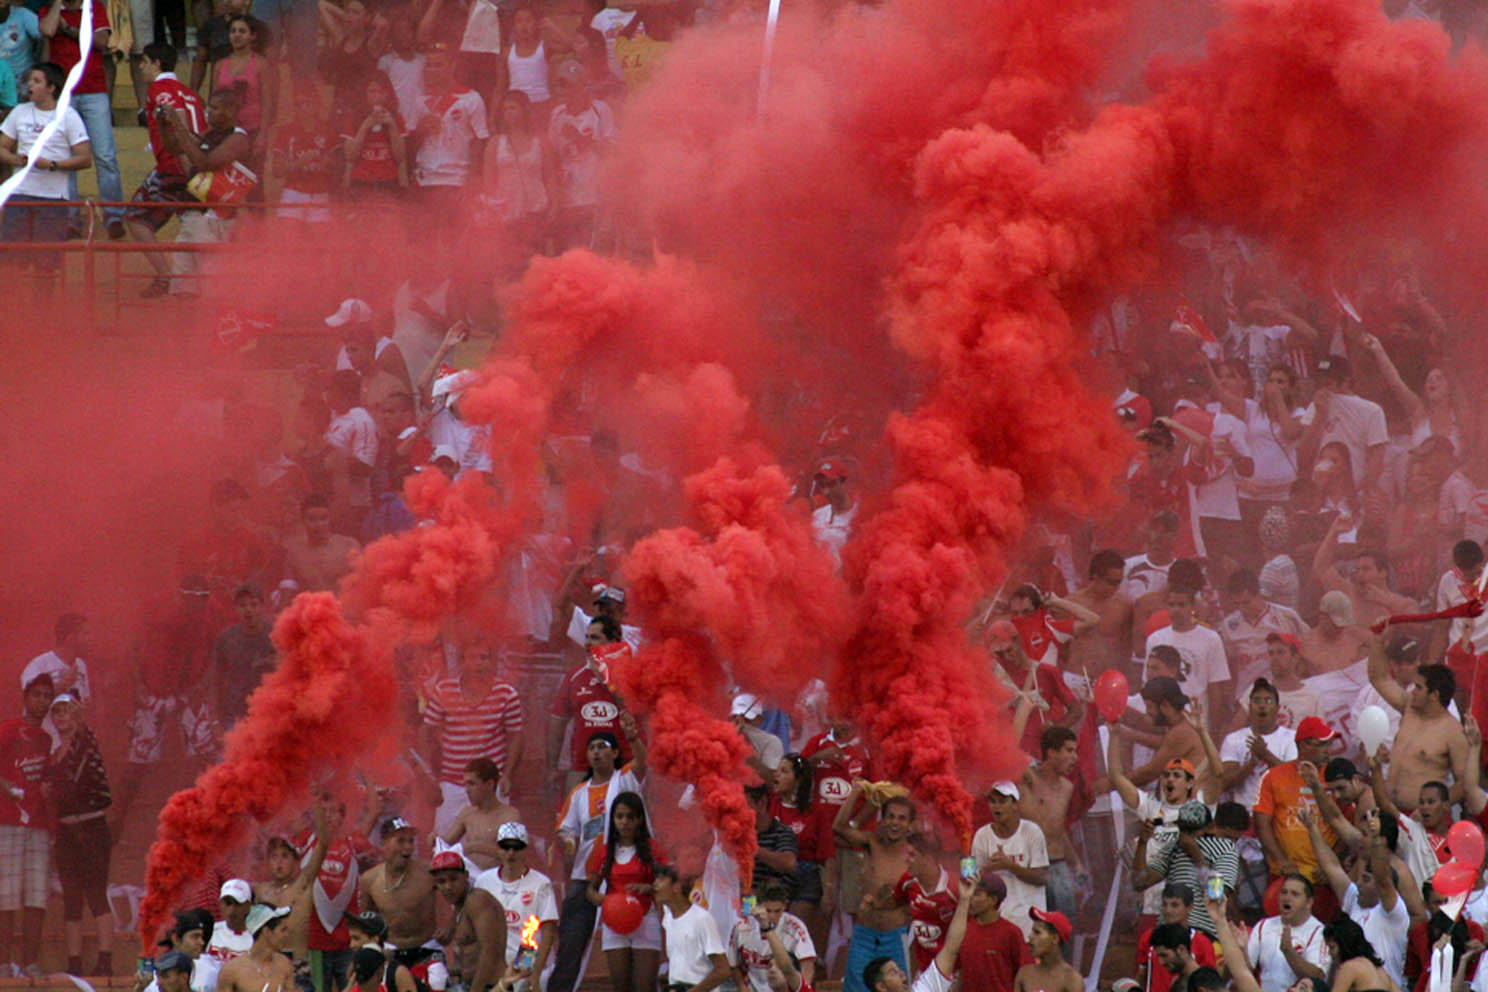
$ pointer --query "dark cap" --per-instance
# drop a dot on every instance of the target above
(1333, 367)
(393, 826)
(173, 961)
(1157, 434)
(1339, 770)
(992, 884)
(369, 923)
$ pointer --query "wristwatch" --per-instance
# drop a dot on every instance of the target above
(51, 165)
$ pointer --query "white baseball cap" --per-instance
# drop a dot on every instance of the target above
(351, 311)
(237, 890)
(747, 705)
(1006, 788)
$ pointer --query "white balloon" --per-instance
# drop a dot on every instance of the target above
(1374, 727)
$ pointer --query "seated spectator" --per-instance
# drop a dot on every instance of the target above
(25, 217)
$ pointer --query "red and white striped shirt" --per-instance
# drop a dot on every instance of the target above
(467, 730)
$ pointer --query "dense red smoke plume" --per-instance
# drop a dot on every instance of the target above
(327, 703)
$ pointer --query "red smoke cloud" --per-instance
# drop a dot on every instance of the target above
(327, 703)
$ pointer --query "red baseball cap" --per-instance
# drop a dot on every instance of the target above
(447, 861)
(1058, 921)
(832, 468)
(1314, 729)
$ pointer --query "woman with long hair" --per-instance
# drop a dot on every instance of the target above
(1357, 967)
(1437, 410)
(521, 175)
(1273, 425)
(254, 76)
(794, 804)
(374, 141)
(626, 861)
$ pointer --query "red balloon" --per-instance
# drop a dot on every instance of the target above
(1465, 841)
(622, 912)
(1454, 878)
(1111, 692)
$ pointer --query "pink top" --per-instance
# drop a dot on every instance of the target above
(250, 114)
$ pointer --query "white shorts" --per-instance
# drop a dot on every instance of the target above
(308, 215)
(646, 937)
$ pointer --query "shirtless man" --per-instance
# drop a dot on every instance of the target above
(1048, 972)
(476, 825)
(1367, 584)
(1335, 642)
(1165, 703)
(1105, 645)
(319, 559)
(478, 943)
(264, 968)
(1431, 745)
(402, 891)
(1046, 794)
(876, 931)
(290, 885)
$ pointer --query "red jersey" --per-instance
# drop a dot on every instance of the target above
(834, 778)
(929, 915)
(813, 829)
(293, 140)
(1041, 635)
(64, 51)
(1160, 979)
(374, 163)
(335, 891)
(585, 698)
(24, 752)
(1438, 846)
(632, 871)
(168, 93)
(1054, 691)
(991, 955)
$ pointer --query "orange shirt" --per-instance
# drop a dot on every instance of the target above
(1283, 794)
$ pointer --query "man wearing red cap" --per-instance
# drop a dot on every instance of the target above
(1284, 793)
(832, 519)
(1048, 972)
(1052, 701)
(479, 940)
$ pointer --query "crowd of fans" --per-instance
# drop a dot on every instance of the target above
(1306, 465)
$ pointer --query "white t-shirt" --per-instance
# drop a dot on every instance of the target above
(471, 443)
(1026, 847)
(25, 125)
(610, 22)
(579, 161)
(690, 940)
(355, 432)
(931, 980)
(584, 818)
(1202, 655)
(65, 677)
(1142, 577)
(1245, 642)
(226, 945)
(529, 896)
(832, 528)
(1387, 930)
(1275, 457)
(407, 77)
(445, 159)
(1282, 742)
(1218, 498)
(1164, 836)
(748, 946)
(1355, 422)
(203, 976)
(1263, 950)
(1449, 593)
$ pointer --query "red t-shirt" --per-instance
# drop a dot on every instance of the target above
(334, 875)
(374, 163)
(584, 697)
(1041, 635)
(169, 92)
(295, 139)
(991, 955)
(24, 750)
(929, 915)
(1160, 979)
(632, 872)
(813, 829)
(65, 50)
(834, 778)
